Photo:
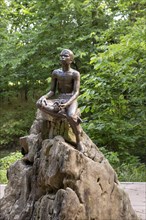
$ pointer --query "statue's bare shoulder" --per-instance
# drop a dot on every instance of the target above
(75, 74)
(56, 72)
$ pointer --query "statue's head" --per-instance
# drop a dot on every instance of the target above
(67, 55)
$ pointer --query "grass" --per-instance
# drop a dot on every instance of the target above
(5, 161)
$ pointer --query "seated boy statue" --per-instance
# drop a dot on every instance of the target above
(66, 83)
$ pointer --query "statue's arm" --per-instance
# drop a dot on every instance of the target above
(53, 86)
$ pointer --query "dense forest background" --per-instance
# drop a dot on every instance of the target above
(108, 40)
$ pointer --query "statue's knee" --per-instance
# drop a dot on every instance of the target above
(72, 117)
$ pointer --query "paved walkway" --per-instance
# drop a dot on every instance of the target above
(137, 195)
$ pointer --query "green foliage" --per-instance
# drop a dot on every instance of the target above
(128, 167)
(134, 172)
(5, 162)
(15, 122)
(115, 93)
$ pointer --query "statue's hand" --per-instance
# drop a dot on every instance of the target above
(64, 105)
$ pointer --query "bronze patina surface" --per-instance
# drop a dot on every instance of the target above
(66, 83)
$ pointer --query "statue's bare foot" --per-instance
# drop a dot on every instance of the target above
(80, 147)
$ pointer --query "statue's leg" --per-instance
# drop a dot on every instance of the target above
(72, 118)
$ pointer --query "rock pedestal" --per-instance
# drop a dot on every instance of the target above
(58, 182)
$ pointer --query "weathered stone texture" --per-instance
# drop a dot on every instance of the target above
(64, 184)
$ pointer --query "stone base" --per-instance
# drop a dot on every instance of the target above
(54, 181)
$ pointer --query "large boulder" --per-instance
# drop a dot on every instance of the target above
(61, 183)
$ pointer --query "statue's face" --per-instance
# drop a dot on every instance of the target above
(66, 57)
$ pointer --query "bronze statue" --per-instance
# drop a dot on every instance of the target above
(66, 83)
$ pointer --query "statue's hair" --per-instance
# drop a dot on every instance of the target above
(70, 52)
